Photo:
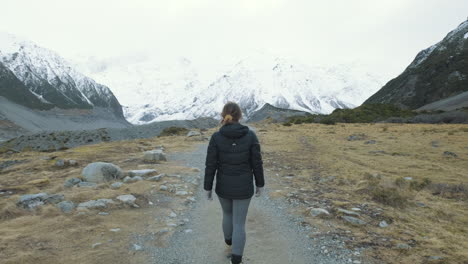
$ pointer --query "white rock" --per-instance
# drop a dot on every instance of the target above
(154, 155)
(188, 231)
(95, 245)
(115, 230)
(181, 193)
(163, 188)
(193, 133)
(156, 178)
(172, 214)
(101, 171)
(137, 247)
(383, 224)
(100, 203)
(127, 198)
(116, 185)
(142, 173)
(318, 211)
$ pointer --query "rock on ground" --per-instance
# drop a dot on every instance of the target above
(100, 203)
(154, 155)
(142, 173)
(66, 206)
(98, 172)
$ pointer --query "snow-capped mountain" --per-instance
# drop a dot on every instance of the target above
(52, 79)
(152, 91)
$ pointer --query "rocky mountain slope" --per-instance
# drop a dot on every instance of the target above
(33, 78)
(177, 91)
(438, 72)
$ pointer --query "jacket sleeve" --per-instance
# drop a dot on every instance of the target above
(211, 164)
(257, 162)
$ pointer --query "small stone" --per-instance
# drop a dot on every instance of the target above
(72, 163)
(60, 163)
(163, 188)
(103, 213)
(156, 178)
(154, 155)
(341, 210)
(172, 214)
(188, 231)
(420, 204)
(95, 245)
(116, 185)
(353, 220)
(171, 224)
(408, 178)
(402, 246)
(115, 230)
(359, 136)
(435, 258)
(370, 142)
(66, 206)
(193, 133)
(356, 209)
(87, 184)
(127, 199)
(100, 203)
(383, 224)
(181, 193)
(54, 198)
(142, 173)
(318, 211)
(137, 247)
(450, 154)
(71, 182)
(435, 144)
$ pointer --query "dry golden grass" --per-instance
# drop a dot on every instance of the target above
(46, 235)
(329, 171)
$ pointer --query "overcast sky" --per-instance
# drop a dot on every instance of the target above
(385, 34)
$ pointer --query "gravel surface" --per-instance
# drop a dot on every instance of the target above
(273, 235)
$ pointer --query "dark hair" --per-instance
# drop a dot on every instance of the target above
(231, 113)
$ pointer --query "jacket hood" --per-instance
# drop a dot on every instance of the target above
(234, 130)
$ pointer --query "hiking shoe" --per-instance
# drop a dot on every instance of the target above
(228, 251)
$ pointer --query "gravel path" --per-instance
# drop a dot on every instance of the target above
(273, 235)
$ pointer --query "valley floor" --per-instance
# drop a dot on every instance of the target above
(409, 179)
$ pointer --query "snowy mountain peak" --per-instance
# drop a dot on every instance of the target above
(51, 78)
(153, 91)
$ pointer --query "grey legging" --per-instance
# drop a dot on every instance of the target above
(234, 216)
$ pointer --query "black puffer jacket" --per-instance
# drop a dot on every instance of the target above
(234, 156)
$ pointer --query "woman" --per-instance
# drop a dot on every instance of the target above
(234, 156)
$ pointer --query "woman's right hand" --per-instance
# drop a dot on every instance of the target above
(258, 191)
(209, 195)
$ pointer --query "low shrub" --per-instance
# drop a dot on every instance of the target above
(173, 131)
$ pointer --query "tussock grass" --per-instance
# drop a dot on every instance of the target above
(427, 212)
(46, 235)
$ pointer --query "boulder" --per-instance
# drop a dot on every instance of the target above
(142, 173)
(60, 163)
(66, 206)
(100, 203)
(154, 155)
(181, 193)
(101, 172)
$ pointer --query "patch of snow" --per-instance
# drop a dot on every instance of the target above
(466, 35)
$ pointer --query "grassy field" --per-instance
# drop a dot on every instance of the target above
(413, 177)
(396, 173)
(47, 235)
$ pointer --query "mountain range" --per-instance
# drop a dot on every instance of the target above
(152, 91)
(40, 90)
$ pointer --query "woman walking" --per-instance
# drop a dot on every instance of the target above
(234, 157)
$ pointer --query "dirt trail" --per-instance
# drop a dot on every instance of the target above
(273, 235)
